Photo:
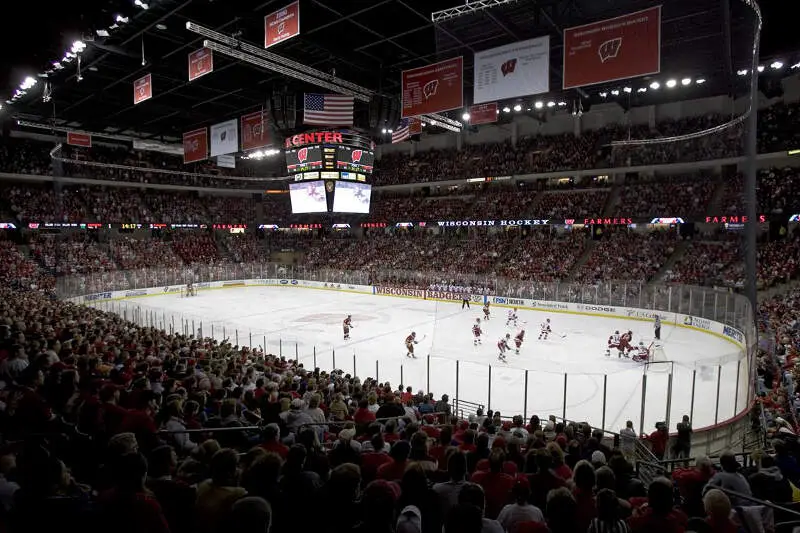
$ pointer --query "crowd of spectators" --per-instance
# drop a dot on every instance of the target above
(666, 196)
(95, 410)
(624, 255)
(704, 262)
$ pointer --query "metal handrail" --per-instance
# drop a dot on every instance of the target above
(765, 503)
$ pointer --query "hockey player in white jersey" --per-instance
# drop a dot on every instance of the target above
(476, 332)
(613, 344)
(502, 346)
(512, 318)
(545, 330)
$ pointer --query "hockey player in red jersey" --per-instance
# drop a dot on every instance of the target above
(625, 343)
(411, 340)
(476, 332)
(518, 341)
(346, 325)
(502, 346)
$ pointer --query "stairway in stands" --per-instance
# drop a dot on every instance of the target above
(680, 250)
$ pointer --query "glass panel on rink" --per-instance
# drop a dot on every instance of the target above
(698, 370)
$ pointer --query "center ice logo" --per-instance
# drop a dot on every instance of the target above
(609, 49)
(302, 154)
(356, 156)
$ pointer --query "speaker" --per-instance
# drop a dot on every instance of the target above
(384, 112)
(283, 109)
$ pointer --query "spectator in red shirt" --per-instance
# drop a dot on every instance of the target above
(538, 466)
(394, 471)
(496, 484)
(272, 441)
(373, 460)
(31, 408)
(363, 416)
(658, 515)
(583, 492)
(128, 504)
(690, 482)
(658, 440)
(140, 421)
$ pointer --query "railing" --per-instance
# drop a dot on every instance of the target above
(712, 392)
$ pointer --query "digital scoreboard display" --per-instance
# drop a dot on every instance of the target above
(355, 159)
(304, 159)
(351, 197)
(308, 197)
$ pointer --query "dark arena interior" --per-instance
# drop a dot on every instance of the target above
(240, 242)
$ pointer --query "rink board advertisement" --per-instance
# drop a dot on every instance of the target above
(704, 325)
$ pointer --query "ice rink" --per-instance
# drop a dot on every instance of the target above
(307, 323)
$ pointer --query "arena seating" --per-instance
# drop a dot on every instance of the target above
(94, 408)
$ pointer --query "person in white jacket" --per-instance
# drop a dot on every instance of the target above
(175, 428)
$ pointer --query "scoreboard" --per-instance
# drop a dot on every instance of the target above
(336, 155)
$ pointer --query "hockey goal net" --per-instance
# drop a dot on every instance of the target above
(657, 360)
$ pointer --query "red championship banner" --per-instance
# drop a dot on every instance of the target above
(433, 88)
(79, 139)
(483, 114)
(143, 89)
(282, 24)
(255, 131)
(201, 62)
(195, 145)
(614, 49)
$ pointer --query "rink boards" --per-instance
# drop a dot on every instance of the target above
(704, 325)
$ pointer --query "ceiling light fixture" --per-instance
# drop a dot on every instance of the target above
(671, 83)
(506, 109)
(627, 90)
(538, 105)
(517, 108)
(777, 65)
(465, 117)
(615, 92)
(655, 85)
(686, 81)
(700, 81)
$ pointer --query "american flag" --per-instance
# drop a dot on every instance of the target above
(328, 109)
(406, 128)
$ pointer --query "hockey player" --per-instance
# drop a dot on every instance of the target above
(411, 340)
(512, 318)
(190, 291)
(486, 311)
(642, 354)
(465, 298)
(625, 343)
(502, 346)
(346, 325)
(545, 330)
(476, 332)
(613, 344)
(518, 341)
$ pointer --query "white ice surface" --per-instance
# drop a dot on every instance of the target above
(307, 323)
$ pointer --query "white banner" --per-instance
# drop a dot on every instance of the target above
(516, 69)
(226, 161)
(225, 138)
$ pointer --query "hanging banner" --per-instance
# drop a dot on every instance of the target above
(614, 49)
(224, 138)
(255, 131)
(195, 145)
(226, 161)
(483, 114)
(79, 139)
(143, 89)
(516, 69)
(282, 24)
(201, 62)
(433, 88)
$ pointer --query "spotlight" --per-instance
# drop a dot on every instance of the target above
(603, 94)
(390, 131)
(655, 85)
(506, 109)
(742, 72)
(383, 131)
(28, 83)
(686, 81)
(761, 68)
(78, 47)
(465, 117)
(627, 90)
(102, 33)
(562, 104)
(538, 105)
(796, 65)
(641, 90)
(615, 92)
(671, 83)
(517, 108)
(551, 104)
(777, 65)
(700, 81)
(121, 19)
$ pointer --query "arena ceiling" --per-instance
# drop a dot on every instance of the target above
(367, 42)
